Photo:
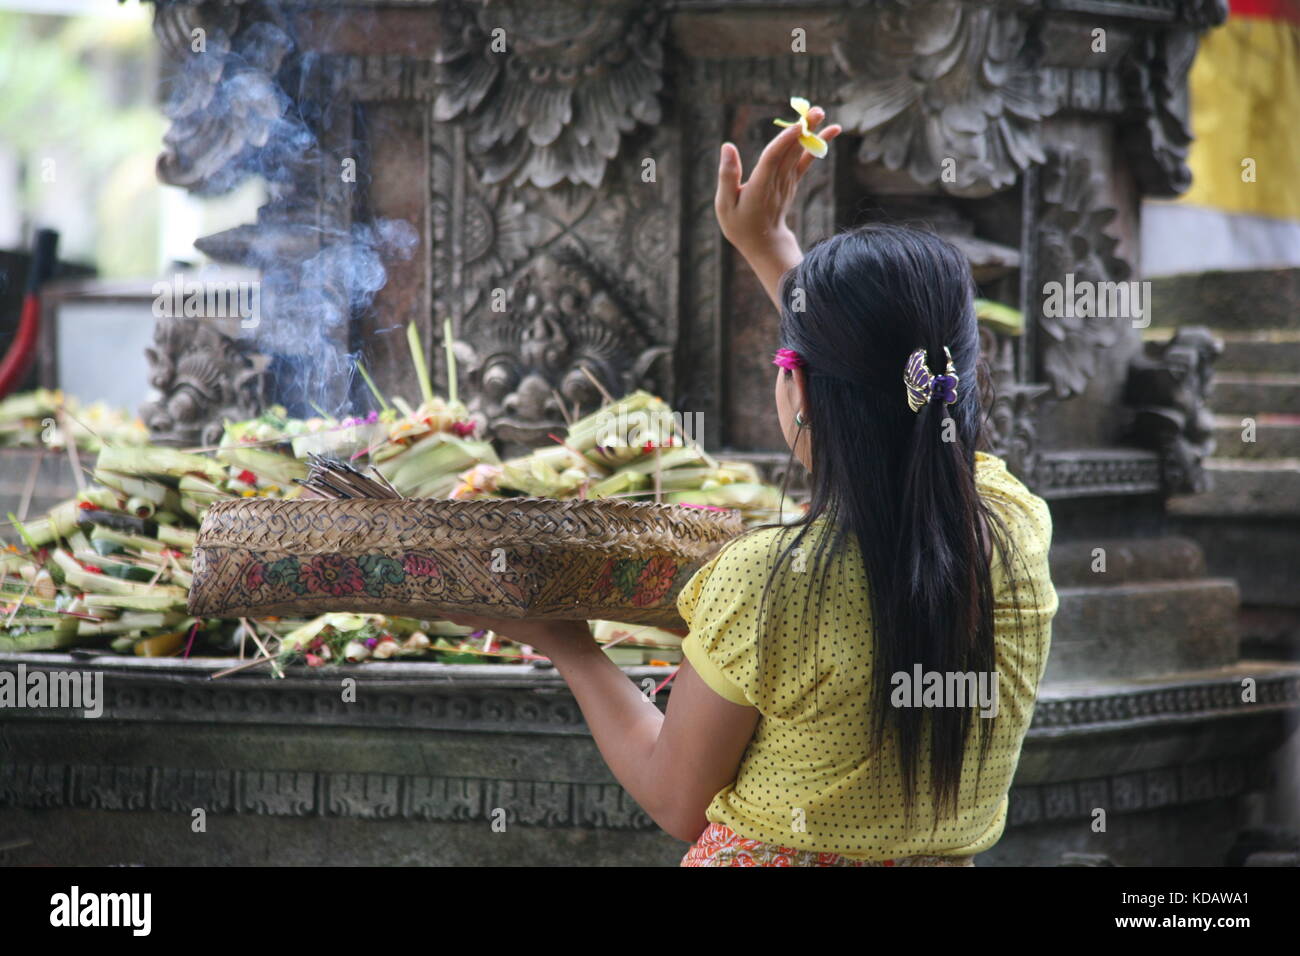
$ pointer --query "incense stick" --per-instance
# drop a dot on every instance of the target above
(337, 479)
(384, 478)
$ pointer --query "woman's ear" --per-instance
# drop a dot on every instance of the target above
(801, 392)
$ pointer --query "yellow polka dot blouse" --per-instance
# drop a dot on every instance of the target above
(807, 780)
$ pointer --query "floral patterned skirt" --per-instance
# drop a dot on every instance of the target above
(719, 845)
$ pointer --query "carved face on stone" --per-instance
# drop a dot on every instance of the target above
(560, 319)
(202, 379)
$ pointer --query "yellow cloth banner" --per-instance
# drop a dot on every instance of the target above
(1245, 101)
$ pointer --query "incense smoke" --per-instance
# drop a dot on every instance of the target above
(320, 269)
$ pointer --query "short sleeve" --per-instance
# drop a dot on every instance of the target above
(1026, 600)
(720, 603)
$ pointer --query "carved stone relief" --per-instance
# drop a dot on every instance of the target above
(1073, 241)
(944, 91)
(563, 314)
(203, 378)
(605, 806)
(1168, 388)
(1156, 131)
(217, 58)
(541, 113)
(1011, 406)
(547, 89)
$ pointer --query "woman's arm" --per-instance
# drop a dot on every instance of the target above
(753, 215)
(672, 765)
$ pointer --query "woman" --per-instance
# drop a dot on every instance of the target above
(856, 687)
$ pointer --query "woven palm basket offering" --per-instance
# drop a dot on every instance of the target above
(515, 557)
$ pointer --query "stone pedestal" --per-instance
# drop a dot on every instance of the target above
(554, 166)
(440, 764)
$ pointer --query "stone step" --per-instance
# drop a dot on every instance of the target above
(1143, 630)
(1237, 300)
(1109, 561)
(1261, 554)
(1272, 351)
(1254, 393)
(1245, 487)
(1275, 436)
(1270, 631)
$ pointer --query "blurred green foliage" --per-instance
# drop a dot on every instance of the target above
(81, 90)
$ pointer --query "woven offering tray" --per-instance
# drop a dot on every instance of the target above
(518, 557)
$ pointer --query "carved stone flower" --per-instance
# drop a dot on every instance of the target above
(941, 90)
(547, 89)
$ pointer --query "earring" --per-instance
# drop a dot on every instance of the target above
(798, 420)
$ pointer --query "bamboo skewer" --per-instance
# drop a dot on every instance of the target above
(30, 487)
(252, 632)
(659, 476)
(63, 410)
(70, 443)
(23, 602)
(564, 411)
(241, 667)
(202, 450)
(19, 603)
(609, 399)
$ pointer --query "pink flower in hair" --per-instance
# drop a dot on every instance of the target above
(788, 359)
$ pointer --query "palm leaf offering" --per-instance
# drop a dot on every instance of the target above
(1001, 318)
(48, 418)
(113, 567)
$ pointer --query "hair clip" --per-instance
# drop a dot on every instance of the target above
(922, 386)
(788, 359)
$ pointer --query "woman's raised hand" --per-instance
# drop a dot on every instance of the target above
(752, 215)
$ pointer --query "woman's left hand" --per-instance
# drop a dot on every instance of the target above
(546, 637)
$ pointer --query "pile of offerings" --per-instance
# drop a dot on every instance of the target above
(111, 568)
(48, 418)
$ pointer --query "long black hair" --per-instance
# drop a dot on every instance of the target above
(901, 483)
